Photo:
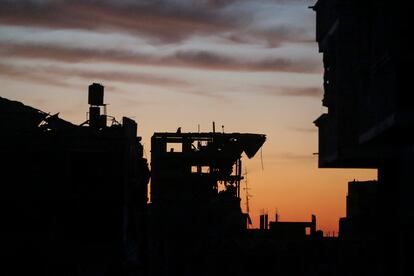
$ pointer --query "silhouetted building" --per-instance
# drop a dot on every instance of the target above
(75, 197)
(286, 249)
(368, 60)
(195, 197)
(361, 199)
(293, 230)
(358, 231)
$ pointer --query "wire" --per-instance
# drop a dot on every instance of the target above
(261, 157)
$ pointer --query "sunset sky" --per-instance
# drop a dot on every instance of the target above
(250, 65)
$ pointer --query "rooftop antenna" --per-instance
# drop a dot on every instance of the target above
(214, 127)
(247, 197)
(247, 191)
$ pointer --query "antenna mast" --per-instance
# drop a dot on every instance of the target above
(247, 192)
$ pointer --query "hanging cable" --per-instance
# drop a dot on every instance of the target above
(261, 157)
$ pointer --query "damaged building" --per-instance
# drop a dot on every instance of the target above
(74, 196)
(195, 197)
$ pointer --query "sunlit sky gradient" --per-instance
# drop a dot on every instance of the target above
(250, 65)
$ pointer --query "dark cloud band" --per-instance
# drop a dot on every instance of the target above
(205, 60)
(157, 21)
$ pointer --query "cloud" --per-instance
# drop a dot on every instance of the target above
(69, 55)
(206, 60)
(53, 75)
(159, 21)
(30, 75)
(215, 61)
(276, 36)
(311, 92)
(304, 129)
(206, 94)
(56, 75)
(162, 21)
(271, 36)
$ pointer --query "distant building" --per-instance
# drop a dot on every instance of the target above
(288, 248)
(361, 201)
(293, 230)
(359, 230)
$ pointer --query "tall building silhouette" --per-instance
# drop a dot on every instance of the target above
(368, 59)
